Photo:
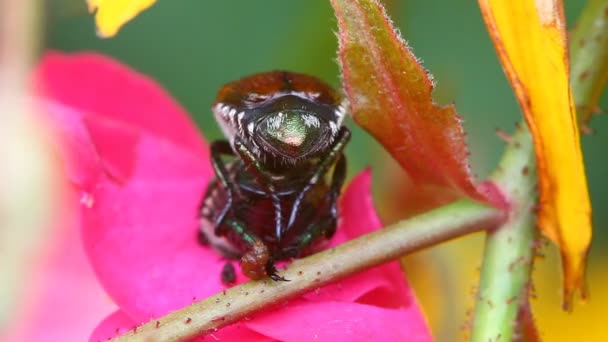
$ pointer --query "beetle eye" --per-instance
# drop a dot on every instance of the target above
(293, 133)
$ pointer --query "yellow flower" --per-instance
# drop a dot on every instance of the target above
(111, 15)
(588, 324)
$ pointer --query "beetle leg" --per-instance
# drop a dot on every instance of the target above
(219, 148)
(228, 275)
(258, 172)
(257, 261)
(272, 272)
(337, 181)
(338, 177)
(328, 224)
(239, 229)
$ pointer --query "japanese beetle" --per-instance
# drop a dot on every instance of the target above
(271, 201)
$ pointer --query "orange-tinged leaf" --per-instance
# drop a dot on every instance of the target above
(530, 38)
(111, 15)
(390, 97)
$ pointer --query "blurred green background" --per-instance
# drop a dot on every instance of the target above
(192, 47)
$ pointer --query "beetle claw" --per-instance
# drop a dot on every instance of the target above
(271, 271)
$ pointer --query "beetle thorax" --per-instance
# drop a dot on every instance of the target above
(288, 128)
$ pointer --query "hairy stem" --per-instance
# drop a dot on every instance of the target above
(439, 225)
(509, 253)
(589, 53)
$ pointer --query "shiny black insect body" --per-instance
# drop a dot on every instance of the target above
(274, 197)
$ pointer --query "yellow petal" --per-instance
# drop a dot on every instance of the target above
(590, 320)
(113, 14)
(530, 38)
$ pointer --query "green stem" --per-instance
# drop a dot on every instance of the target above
(589, 53)
(509, 252)
(439, 225)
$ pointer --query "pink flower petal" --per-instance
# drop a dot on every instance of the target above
(115, 324)
(115, 146)
(341, 321)
(119, 323)
(357, 212)
(96, 84)
(141, 235)
(79, 156)
(384, 285)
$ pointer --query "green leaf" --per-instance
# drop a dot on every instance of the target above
(390, 97)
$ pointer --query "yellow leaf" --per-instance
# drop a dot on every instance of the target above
(530, 38)
(111, 15)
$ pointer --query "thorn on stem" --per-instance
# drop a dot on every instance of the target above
(504, 136)
(598, 110)
(581, 43)
(586, 130)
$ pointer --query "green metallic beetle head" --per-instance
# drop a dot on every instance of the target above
(291, 133)
(293, 128)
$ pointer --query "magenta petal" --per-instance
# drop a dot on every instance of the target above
(115, 324)
(340, 321)
(99, 85)
(80, 158)
(357, 212)
(119, 323)
(115, 143)
(384, 285)
(141, 235)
